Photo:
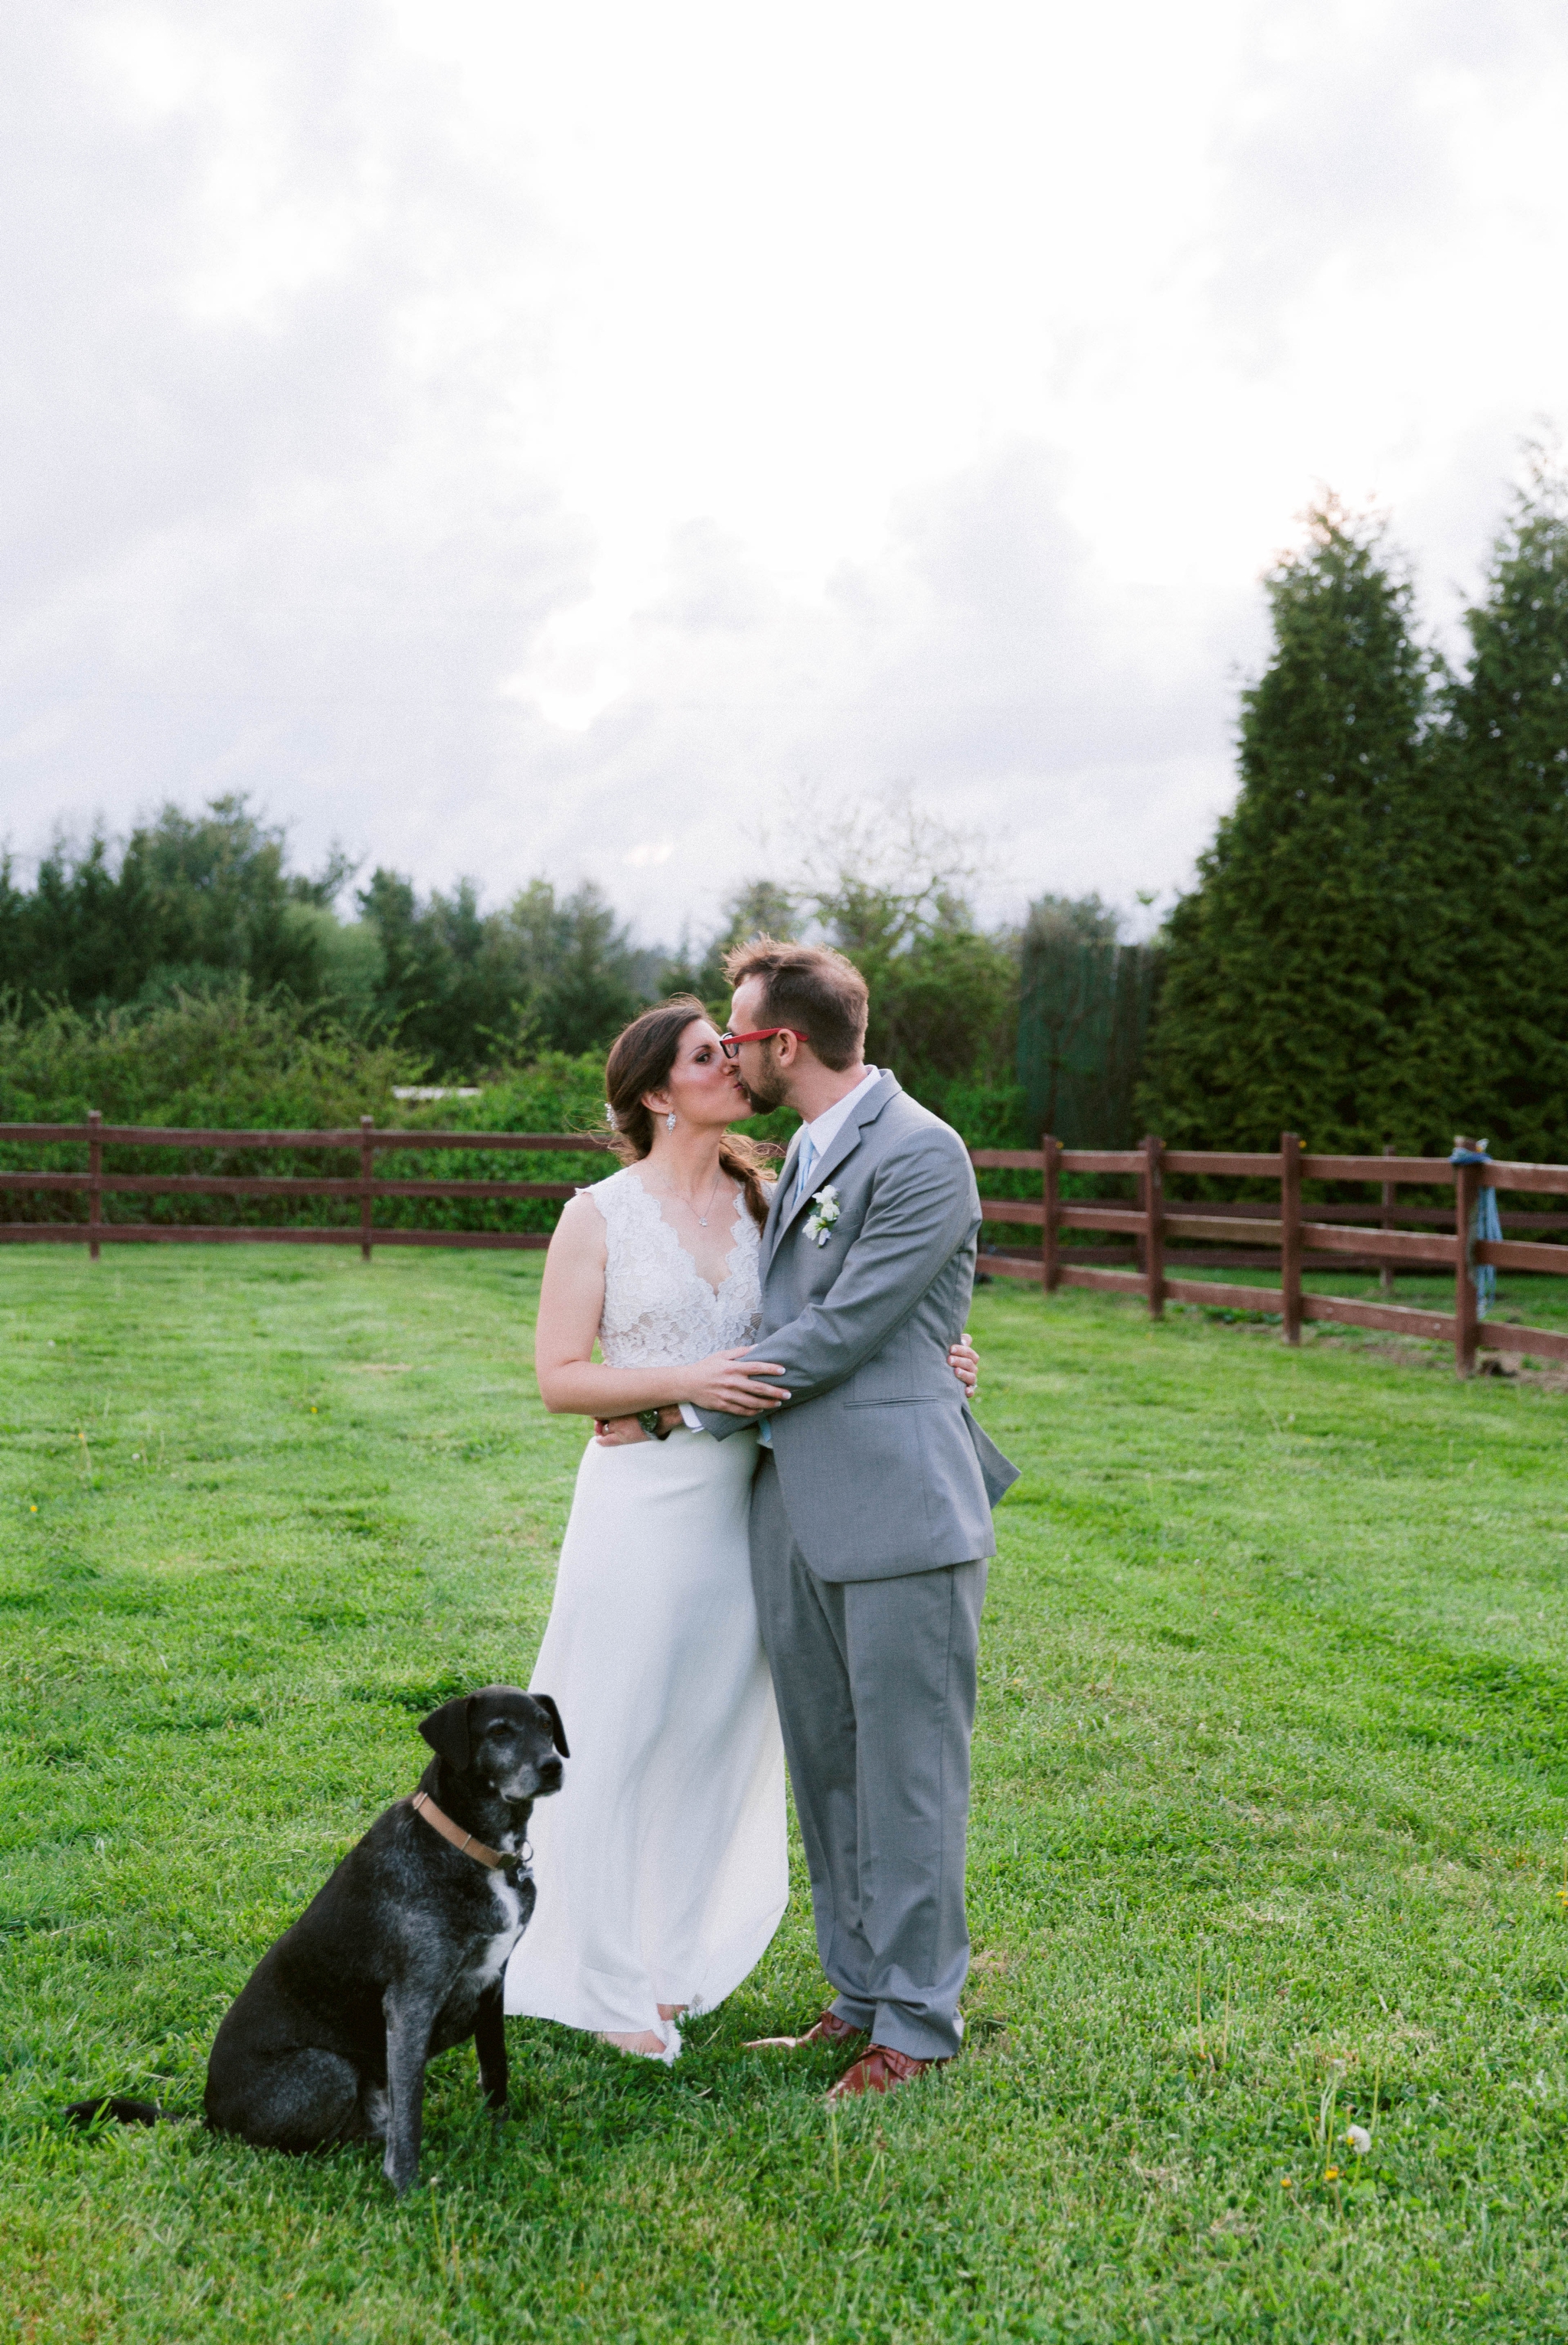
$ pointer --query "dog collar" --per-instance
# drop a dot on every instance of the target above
(439, 1820)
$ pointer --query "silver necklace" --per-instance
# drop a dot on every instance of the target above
(701, 1219)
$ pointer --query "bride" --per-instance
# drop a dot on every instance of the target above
(661, 1867)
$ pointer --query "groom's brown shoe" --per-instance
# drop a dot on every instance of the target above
(829, 2029)
(880, 2070)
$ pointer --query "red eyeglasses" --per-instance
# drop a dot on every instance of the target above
(730, 1044)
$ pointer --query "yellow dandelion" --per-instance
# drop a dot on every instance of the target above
(1331, 2174)
(1285, 2183)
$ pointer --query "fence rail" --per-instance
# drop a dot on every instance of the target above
(1295, 1238)
(365, 1187)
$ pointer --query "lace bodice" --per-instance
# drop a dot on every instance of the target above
(659, 1310)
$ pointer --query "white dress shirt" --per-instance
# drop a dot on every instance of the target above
(819, 1135)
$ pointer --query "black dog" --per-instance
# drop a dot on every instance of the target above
(399, 1956)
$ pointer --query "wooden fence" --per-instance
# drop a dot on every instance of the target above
(1294, 1238)
(1297, 1237)
(364, 1188)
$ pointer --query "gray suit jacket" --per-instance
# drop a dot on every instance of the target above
(882, 1466)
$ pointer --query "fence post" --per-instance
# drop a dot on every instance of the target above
(94, 1182)
(1051, 1201)
(367, 1183)
(1386, 1221)
(1466, 1185)
(1155, 1224)
(1290, 1235)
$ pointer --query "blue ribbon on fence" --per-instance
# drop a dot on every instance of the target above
(1484, 1228)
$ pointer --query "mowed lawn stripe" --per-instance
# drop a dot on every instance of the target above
(1268, 1842)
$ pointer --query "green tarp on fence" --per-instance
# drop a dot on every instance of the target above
(1084, 1016)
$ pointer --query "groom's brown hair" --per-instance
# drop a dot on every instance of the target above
(810, 987)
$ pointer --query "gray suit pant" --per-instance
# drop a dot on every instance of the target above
(875, 1680)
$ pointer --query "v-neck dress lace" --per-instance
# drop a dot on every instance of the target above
(661, 1866)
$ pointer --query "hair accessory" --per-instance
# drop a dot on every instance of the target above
(670, 1121)
(610, 1117)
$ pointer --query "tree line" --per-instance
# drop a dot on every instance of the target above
(1376, 948)
(198, 905)
(195, 926)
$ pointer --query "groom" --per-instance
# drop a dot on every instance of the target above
(871, 1514)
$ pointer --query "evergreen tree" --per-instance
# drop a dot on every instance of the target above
(212, 892)
(1506, 750)
(415, 972)
(13, 932)
(589, 988)
(1310, 978)
(195, 901)
(466, 989)
(81, 939)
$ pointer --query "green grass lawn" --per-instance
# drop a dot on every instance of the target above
(1268, 1840)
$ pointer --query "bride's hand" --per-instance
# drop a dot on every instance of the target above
(964, 1361)
(733, 1385)
(615, 1432)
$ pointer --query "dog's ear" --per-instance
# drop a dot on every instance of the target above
(446, 1731)
(557, 1731)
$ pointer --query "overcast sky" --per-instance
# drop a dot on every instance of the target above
(516, 439)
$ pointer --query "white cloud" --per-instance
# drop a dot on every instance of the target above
(518, 438)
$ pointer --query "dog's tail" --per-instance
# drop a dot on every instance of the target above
(112, 2108)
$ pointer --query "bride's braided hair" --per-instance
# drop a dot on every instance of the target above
(641, 1057)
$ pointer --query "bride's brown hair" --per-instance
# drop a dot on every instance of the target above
(641, 1057)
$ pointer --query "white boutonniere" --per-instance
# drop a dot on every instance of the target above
(825, 1213)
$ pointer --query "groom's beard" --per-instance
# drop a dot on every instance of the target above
(767, 1091)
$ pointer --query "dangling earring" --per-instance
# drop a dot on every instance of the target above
(670, 1121)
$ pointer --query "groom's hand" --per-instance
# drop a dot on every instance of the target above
(735, 1383)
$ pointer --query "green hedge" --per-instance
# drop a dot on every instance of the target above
(233, 1062)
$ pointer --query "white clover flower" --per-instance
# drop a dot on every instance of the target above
(1360, 2139)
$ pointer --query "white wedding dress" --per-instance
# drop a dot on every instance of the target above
(661, 1866)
